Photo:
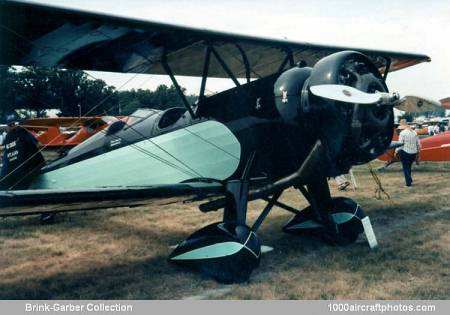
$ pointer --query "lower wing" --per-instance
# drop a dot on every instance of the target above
(25, 202)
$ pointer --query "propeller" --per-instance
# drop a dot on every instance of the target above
(348, 94)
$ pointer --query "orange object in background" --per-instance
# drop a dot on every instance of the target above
(65, 131)
(434, 148)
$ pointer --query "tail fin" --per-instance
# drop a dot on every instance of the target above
(22, 159)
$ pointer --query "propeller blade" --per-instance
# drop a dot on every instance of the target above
(415, 104)
(343, 93)
(348, 94)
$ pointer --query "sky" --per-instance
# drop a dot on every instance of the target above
(420, 26)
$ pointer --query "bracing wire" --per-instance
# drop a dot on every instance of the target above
(92, 109)
(213, 144)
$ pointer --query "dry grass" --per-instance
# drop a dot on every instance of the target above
(121, 254)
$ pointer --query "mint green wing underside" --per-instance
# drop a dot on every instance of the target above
(208, 149)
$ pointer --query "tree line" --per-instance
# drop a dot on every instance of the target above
(32, 91)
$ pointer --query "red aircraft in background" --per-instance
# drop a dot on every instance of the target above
(434, 148)
(65, 131)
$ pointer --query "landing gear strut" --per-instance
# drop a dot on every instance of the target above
(228, 251)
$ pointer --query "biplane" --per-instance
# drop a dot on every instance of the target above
(301, 113)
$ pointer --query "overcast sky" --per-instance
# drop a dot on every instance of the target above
(421, 26)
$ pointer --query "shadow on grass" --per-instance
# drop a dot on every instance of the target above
(142, 279)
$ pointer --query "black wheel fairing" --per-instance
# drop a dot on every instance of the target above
(225, 251)
(348, 229)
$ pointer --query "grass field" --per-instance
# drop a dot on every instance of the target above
(121, 254)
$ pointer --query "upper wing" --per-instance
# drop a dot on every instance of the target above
(33, 34)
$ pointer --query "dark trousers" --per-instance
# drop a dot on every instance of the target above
(407, 160)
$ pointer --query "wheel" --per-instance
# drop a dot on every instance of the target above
(347, 216)
(344, 212)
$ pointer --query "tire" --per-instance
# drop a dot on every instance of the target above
(347, 232)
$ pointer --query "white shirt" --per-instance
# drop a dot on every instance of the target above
(410, 140)
(436, 129)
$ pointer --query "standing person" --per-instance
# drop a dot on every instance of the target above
(410, 150)
(436, 129)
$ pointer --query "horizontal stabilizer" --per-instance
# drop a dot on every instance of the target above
(416, 104)
(445, 102)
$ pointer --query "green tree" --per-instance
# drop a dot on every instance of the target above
(35, 89)
(97, 98)
(66, 85)
(162, 98)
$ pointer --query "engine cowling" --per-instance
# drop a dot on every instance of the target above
(353, 133)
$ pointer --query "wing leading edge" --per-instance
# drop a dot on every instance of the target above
(90, 41)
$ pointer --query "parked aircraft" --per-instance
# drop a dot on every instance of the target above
(65, 131)
(305, 112)
(434, 148)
